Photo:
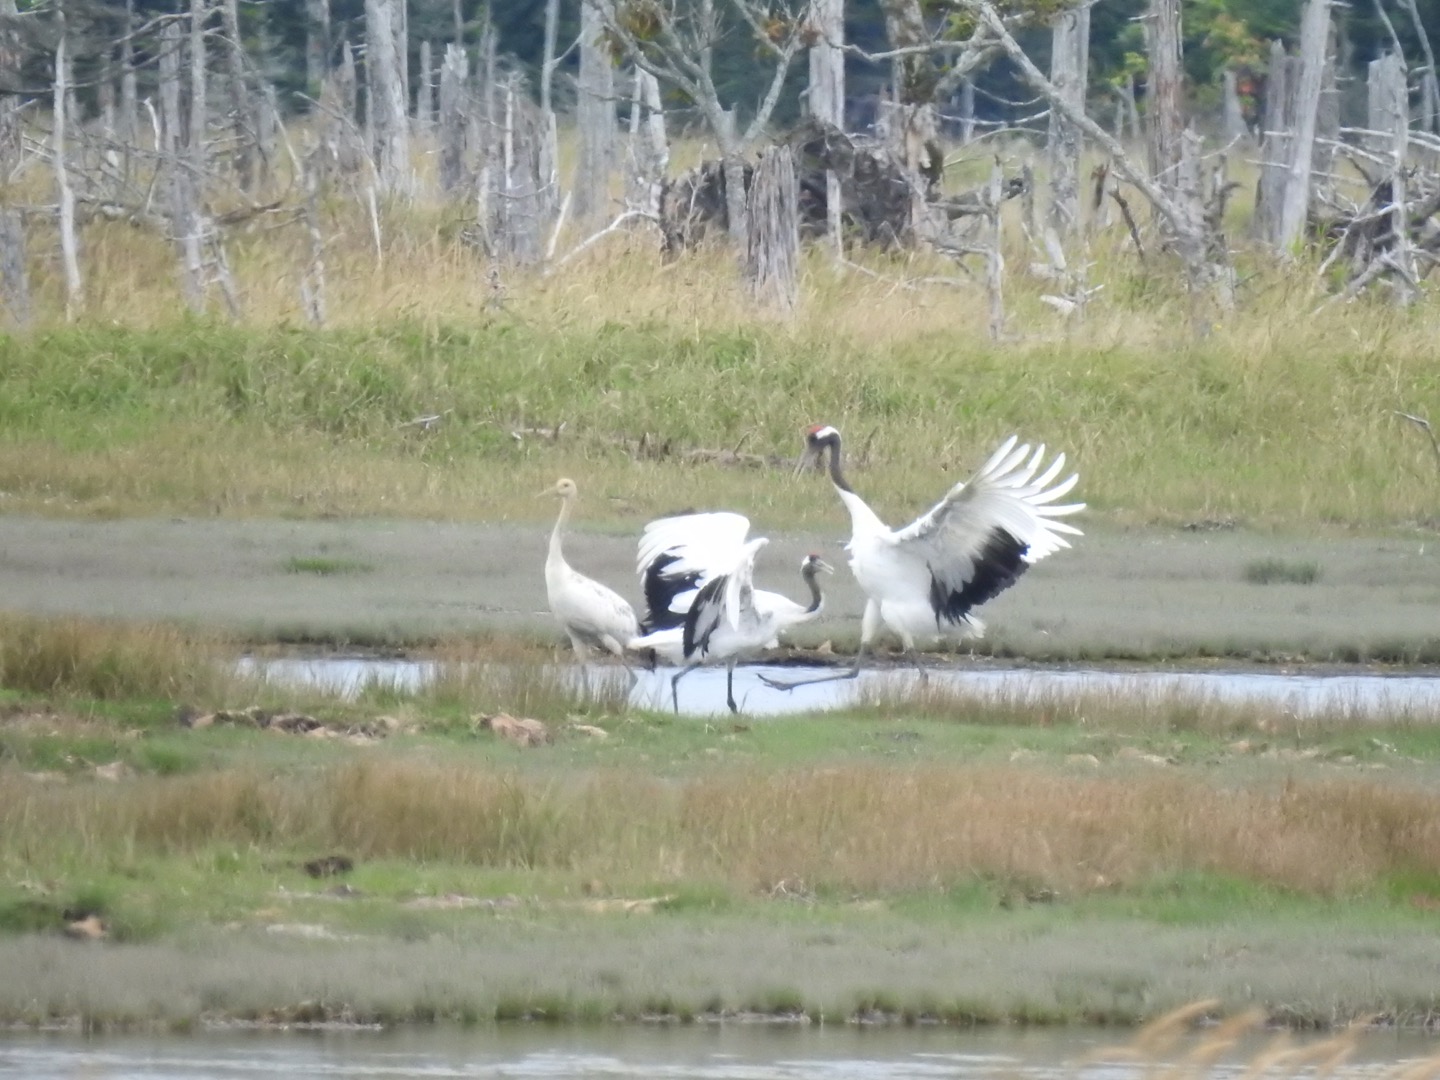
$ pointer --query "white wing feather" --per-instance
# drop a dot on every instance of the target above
(707, 544)
(1005, 493)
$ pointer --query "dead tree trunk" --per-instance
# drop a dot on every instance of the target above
(14, 280)
(649, 152)
(1164, 108)
(195, 142)
(1069, 59)
(827, 97)
(1232, 118)
(773, 247)
(913, 126)
(595, 118)
(1314, 34)
(385, 76)
(244, 116)
(995, 250)
(1275, 127)
(69, 249)
(12, 59)
(547, 62)
(128, 123)
(425, 90)
(1429, 87)
(454, 121)
(317, 43)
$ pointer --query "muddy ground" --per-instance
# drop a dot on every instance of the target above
(1117, 593)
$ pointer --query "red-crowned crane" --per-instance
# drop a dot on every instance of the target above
(698, 575)
(926, 579)
(594, 616)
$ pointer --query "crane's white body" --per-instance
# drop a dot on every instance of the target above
(924, 580)
(698, 570)
(592, 615)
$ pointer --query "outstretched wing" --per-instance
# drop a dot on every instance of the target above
(986, 532)
(678, 555)
(725, 601)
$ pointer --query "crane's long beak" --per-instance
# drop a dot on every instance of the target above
(807, 458)
(825, 566)
(547, 493)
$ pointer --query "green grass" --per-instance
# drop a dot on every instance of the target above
(325, 565)
(211, 418)
(1280, 571)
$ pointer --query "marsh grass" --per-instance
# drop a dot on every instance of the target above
(1135, 709)
(839, 830)
(109, 660)
(1281, 571)
(326, 565)
(133, 411)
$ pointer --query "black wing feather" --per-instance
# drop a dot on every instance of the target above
(660, 592)
(998, 566)
(704, 616)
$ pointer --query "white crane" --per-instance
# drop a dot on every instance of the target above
(698, 575)
(926, 579)
(592, 615)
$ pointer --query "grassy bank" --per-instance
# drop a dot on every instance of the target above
(931, 856)
(1279, 417)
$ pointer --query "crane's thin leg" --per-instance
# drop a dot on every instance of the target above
(730, 687)
(675, 684)
(914, 657)
(868, 625)
(852, 673)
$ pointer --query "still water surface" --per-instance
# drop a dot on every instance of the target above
(702, 692)
(728, 1052)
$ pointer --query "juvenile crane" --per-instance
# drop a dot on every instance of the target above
(926, 579)
(698, 575)
(592, 615)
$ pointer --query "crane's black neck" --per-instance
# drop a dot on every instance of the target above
(811, 575)
(837, 475)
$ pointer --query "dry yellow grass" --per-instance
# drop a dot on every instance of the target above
(848, 828)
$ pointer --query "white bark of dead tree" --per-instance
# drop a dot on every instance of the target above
(69, 248)
(1069, 60)
(317, 43)
(967, 111)
(1275, 127)
(595, 119)
(12, 59)
(914, 125)
(1232, 117)
(773, 247)
(244, 115)
(827, 99)
(547, 61)
(385, 76)
(1164, 98)
(14, 278)
(649, 153)
(312, 281)
(425, 90)
(995, 249)
(1327, 121)
(1205, 270)
(1429, 86)
(169, 64)
(1383, 73)
(199, 109)
(454, 121)
(1295, 208)
(128, 122)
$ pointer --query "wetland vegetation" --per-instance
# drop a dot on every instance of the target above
(926, 856)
